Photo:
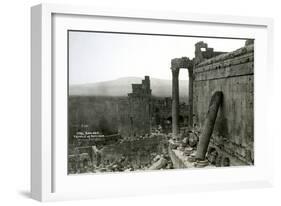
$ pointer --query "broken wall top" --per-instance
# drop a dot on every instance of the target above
(229, 55)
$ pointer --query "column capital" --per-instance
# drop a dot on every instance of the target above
(175, 71)
(183, 62)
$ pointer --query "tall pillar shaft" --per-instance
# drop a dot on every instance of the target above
(175, 102)
(190, 97)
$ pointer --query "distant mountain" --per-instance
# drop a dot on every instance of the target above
(123, 86)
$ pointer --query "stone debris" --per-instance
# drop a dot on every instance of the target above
(188, 151)
(156, 158)
(193, 139)
(192, 159)
(161, 163)
(181, 147)
(201, 163)
(173, 144)
(185, 141)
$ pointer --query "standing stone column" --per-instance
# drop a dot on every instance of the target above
(175, 101)
(190, 96)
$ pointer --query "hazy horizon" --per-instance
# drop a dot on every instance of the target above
(125, 77)
(97, 57)
(123, 86)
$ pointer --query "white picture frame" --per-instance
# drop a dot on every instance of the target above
(48, 180)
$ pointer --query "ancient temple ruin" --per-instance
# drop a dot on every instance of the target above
(142, 132)
(230, 133)
(136, 118)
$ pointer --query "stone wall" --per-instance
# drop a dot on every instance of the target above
(233, 74)
(136, 117)
(162, 114)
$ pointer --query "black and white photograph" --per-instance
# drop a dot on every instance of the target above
(120, 102)
(142, 102)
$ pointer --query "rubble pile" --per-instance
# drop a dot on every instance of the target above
(184, 149)
(143, 152)
(158, 161)
(161, 162)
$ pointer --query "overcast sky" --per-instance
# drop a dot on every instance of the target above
(95, 57)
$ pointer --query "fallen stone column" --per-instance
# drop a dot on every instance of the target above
(209, 124)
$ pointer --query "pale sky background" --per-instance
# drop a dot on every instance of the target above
(96, 57)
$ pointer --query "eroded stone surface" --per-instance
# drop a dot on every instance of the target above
(138, 136)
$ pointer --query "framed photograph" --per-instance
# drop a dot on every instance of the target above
(136, 102)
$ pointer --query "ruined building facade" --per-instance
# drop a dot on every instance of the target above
(232, 74)
(135, 114)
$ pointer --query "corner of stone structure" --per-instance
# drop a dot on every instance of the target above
(249, 42)
(203, 52)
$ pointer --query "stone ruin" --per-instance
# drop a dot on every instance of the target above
(221, 100)
(135, 113)
(218, 120)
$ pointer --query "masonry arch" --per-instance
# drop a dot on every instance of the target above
(176, 65)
